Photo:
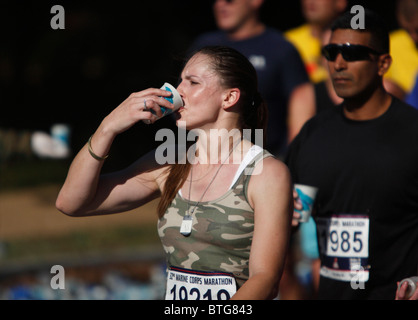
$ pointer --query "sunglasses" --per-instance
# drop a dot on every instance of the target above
(350, 52)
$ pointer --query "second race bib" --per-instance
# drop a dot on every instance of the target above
(344, 247)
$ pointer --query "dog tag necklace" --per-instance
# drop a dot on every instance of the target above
(187, 223)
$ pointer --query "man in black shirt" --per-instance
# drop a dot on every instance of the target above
(363, 158)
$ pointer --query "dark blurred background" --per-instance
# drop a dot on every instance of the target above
(77, 76)
(107, 51)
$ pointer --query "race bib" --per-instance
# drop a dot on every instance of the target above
(344, 247)
(185, 284)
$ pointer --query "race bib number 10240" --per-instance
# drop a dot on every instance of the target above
(184, 284)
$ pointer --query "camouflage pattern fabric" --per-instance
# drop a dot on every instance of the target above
(222, 231)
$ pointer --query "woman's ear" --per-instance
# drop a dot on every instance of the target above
(231, 98)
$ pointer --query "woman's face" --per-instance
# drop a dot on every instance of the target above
(201, 92)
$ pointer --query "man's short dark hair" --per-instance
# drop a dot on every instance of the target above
(374, 24)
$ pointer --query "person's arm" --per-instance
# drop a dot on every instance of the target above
(301, 107)
(270, 194)
(85, 191)
(291, 160)
(298, 89)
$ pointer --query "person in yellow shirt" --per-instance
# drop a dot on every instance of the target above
(307, 38)
(400, 79)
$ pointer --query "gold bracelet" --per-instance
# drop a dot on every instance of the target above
(95, 156)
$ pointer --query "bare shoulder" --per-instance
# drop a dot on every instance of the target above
(270, 169)
(270, 180)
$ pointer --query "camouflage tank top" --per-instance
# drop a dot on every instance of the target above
(222, 230)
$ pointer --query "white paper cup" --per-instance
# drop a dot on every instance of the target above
(175, 99)
(307, 195)
(412, 286)
(61, 132)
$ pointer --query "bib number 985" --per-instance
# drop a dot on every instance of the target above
(344, 237)
(345, 241)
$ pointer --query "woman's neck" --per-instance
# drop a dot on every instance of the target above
(214, 146)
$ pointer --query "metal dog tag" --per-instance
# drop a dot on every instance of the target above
(186, 225)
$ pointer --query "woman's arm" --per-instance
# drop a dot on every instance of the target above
(270, 194)
(85, 191)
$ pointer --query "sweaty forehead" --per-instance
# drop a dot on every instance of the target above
(341, 36)
(199, 65)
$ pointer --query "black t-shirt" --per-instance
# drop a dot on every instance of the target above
(322, 99)
(366, 209)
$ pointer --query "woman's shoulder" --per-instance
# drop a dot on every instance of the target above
(267, 166)
(270, 178)
(271, 165)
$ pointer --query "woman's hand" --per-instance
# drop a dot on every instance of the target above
(136, 108)
(84, 192)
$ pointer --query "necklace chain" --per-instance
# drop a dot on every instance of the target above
(200, 178)
(210, 183)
